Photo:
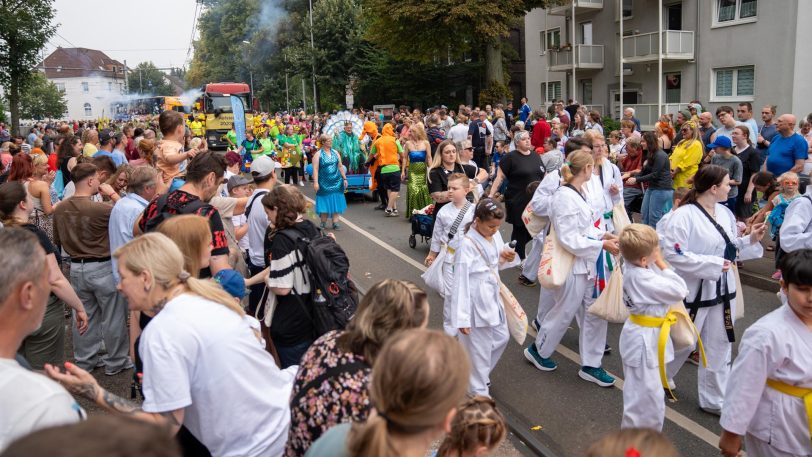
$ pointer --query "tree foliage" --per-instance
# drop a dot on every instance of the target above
(41, 99)
(25, 27)
(145, 78)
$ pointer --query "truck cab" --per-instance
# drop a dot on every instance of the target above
(215, 103)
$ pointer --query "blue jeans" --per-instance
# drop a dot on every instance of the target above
(731, 204)
(654, 203)
(292, 355)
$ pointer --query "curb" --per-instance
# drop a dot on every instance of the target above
(758, 281)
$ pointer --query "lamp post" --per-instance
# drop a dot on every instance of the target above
(312, 58)
(251, 76)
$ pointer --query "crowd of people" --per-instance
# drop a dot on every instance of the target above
(187, 266)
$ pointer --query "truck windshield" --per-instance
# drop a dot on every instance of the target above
(224, 103)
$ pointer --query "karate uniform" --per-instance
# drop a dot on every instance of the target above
(540, 203)
(443, 221)
(646, 292)
(573, 220)
(598, 195)
(475, 303)
(796, 231)
(695, 250)
(778, 346)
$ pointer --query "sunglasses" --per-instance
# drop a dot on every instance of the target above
(790, 183)
(685, 130)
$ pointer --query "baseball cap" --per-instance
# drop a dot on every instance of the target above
(236, 181)
(105, 136)
(263, 166)
(721, 142)
(232, 282)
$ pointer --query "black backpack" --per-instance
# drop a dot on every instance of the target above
(333, 295)
(160, 213)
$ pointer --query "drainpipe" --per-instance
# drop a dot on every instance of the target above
(660, 60)
(620, 112)
(572, 50)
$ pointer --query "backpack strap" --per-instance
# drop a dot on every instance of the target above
(332, 372)
(253, 199)
(458, 220)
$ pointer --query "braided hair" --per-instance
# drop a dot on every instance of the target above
(477, 423)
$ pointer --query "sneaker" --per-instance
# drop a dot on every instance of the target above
(301, 183)
(336, 226)
(392, 213)
(323, 225)
(100, 363)
(526, 282)
(777, 275)
(388, 212)
(380, 207)
(714, 411)
(671, 384)
(115, 372)
(597, 375)
(607, 349)
(535, 324)
(694, 358)
(532, 356)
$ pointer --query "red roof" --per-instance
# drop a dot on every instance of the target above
(227, 88)
(77, 62)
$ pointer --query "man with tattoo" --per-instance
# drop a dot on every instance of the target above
(28, 400)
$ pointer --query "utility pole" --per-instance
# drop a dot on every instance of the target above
(304, 97)
(313, 59)
(140, 82)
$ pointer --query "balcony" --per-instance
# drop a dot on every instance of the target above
(677, 45)
(581, 7)
(647, 112)
(587, 57)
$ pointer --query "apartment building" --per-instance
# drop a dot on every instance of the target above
(720, 52)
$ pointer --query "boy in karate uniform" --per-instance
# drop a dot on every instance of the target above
(648, 293)
(769, 395)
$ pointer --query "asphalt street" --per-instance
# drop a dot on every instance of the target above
(559, 409)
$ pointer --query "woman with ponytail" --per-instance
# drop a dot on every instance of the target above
(700, 242)
(415, 394)
(572, 217)
(204, 367)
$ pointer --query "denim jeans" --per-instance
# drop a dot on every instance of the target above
(654, 203)
(292, 355)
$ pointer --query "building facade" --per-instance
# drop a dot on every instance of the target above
(91, 81)
(717, 52)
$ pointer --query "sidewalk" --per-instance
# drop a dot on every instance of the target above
(757, 273)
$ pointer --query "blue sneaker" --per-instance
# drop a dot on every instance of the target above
(597, 375)
(532, 356)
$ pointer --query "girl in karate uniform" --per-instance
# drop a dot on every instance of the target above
(476, 308)
(573, 219)
(696, 249)
(442, 238)
(648, 293)
(772, 372)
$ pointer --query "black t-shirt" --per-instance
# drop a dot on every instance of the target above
(478, 131)
(291, 322)
(45, 243)
(439, 180)
(520, 170)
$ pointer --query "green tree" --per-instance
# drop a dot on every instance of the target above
(42, 99)
(145, 78)
(425, 30)
(25, 27)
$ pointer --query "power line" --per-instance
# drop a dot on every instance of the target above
(194, 28)
(66, 40)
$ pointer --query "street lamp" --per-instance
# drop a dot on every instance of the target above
(313, 58)
(250, 75)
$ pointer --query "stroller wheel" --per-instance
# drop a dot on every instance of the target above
(412, 241)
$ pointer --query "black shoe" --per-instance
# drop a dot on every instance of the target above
(380, 207)
(607, 349)
(526, 282)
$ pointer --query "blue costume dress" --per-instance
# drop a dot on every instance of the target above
(330, 197)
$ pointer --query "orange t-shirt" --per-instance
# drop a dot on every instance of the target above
(168, 170)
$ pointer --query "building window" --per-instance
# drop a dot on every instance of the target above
(551, 91)
(60, 87)
(88, 110)
(551, 39)
(623, 5)
(85, 87)
(586, 91)
(733, 84)
(730, 12)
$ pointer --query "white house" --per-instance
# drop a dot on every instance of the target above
(90, 80)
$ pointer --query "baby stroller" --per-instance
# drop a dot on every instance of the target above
(422, 224)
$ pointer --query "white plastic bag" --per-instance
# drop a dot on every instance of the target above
(556, 262)
(534, 224)
(514, 313)
(433, 276)
(610, 306)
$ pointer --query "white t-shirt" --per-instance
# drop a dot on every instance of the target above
(30, 401)
(239, 221)
(203, 357)
(458, 133)
(257, 224)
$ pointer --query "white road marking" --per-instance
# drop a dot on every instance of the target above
(678, 418)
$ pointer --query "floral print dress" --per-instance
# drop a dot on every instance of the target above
(331, 387)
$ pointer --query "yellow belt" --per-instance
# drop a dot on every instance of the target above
(795, 391)
(665, 323)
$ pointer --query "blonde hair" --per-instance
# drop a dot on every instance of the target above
(577, 161)
(437, 160)
(160, 256)
(190, 233)
(694, 134)
(645, 441)
(461, 177)
(38, 159)
(477, 423)
(387, 308)
(417, 132)
(638, 241)
(413, 390)
(786, 176)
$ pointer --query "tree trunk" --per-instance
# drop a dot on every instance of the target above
(14, 106)
(493, 65)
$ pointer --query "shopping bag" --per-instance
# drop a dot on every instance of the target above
(610, 306)
(739, 293)
(534, 224)
(556, 262)
(683, 333)
(514, 313)
(433, 276)
(620, 218)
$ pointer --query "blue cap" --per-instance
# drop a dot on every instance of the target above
(232, 282)
(721, 142)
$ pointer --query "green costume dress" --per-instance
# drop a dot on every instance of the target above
(417, 191)
(351, 154)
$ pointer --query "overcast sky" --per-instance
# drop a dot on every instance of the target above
(135, 31)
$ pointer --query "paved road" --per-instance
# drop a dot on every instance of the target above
(571, 412)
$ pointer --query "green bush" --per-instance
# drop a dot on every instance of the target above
(494, 93)
(610, 124)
